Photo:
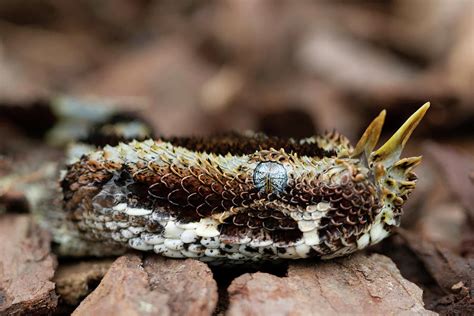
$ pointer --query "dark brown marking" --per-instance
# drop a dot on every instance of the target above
(237, 144)
(350, 215)
(262, 224)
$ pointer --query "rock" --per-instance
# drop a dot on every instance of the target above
(76, 280)
(359, 284)
(26, 267)
(153, 286)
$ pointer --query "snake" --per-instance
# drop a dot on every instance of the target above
(236, 197)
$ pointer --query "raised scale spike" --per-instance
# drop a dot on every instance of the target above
(392, 149)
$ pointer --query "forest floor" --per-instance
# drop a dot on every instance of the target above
(285, 68)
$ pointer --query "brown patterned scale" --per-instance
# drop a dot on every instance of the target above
(238, 197)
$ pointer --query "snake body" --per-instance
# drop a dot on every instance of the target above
(233, 198)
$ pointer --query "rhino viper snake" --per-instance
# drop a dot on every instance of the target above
(234, 198)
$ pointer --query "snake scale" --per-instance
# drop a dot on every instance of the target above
(236, 198)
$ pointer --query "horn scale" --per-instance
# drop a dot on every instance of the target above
(389, 152)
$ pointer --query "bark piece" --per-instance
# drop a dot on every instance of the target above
(26, 267)
(189, 284)
(357, 285)
(455, 168)
(446, 267)
(344, 61)
(453, 273)
(146, 73)
(153, 286)
(76, 280)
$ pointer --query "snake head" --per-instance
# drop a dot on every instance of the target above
(391, 174)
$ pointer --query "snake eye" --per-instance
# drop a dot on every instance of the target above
(270, 176)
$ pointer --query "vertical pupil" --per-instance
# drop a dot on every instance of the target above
(270, 176)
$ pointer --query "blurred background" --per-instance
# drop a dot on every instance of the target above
(288, 68)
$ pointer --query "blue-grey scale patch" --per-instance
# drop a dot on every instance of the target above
(270, 176)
